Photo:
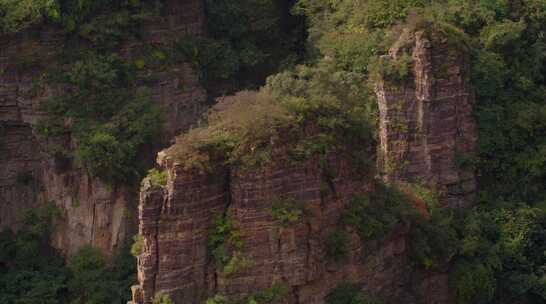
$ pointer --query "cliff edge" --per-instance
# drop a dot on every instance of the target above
(231, 231)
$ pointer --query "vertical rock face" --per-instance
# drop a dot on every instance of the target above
(426, 120)
(175, 222)
(425, 123)
(93, 212)
(175, 227)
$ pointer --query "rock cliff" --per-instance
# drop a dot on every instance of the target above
(93, 212)
(176, 220)
(426, 123)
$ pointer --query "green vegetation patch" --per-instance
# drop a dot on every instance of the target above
(276, 294)
(313, 111)
(161, 298)
(502, 251)
(245, 41)
(287, 212)
(348, 293)
(138, 245)
(73, 16)
(106, 112)
(33, 272)
(225, 246)
(391, 70)
(157, 178)
(239, 131)
(337, 245)
(434, 240)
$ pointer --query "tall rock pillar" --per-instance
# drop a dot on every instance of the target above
(426, 124)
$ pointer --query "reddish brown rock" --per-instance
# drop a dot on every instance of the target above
(426, 121)
(93, 212)
(175, 221)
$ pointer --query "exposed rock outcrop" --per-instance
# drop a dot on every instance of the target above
(93, 212)
(175, 220)
(426, 120)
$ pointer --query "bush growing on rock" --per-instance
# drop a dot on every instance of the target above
(337, 245)
(162, 298)
(287, 212)
(110, 118)
(158, 178)
(347, 293)
(138, 245)
(313, 111)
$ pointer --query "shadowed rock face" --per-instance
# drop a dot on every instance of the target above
(93, 212)
(174, 221)
(426, 121)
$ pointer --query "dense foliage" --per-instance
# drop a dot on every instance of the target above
(496, 248)
(314, 111)
(100, 99)
(246, 41)
(17, 15)
(505, 41)
(347, 293)
(275, 294)
(33, 272)
(109, 117)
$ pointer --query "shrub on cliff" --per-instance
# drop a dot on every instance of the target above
(310, 111)
(239, 130)
(157, 178)
(138, 245)
(502, 252)
(246, 40)
(287, 212)
(110, 118)
(18, 15)
(433, 235)
(347, 293)
(161, 298)
(275, 294)
(225, 245)
(337, 245)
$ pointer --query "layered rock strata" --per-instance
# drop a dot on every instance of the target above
(93, 212)
(175, 221)
(426, 124)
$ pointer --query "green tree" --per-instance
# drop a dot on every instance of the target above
(90, 283)
(19, 14)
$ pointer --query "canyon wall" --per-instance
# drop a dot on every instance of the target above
(92, 212)
(175, 220)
